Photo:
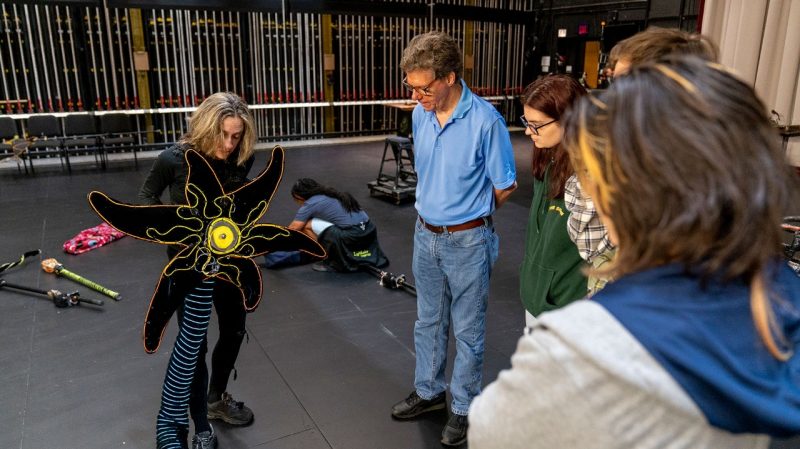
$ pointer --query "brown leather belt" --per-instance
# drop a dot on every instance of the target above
(458, 227)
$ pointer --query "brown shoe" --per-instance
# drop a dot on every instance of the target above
(232, 412)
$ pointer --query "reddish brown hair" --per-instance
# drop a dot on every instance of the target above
(552, 95)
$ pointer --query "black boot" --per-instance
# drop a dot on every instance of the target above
(455, 432)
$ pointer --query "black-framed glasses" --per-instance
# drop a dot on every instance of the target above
(534, 128)
(423, 91)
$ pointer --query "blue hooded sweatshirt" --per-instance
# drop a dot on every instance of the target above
(703, 334)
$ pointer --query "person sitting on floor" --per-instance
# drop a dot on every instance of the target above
(339, 224)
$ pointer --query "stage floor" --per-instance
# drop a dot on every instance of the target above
(327, 354)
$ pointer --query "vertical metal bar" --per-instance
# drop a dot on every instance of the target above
(186, 85)
(23, 65)
(373, 92)
(170, 66)
(14, 76)
(302, 64)
(190, 67)
(490, 63)
(312, 74)
(52, 46)
(7, 97)
(339, 64)
(255, 55)
(484, 54)
(45, 70)
(224, 45)
(292, 67)
(385, 69)
(241, 57)
(356, 70)
(78, 95)
(120, 53)
(206, 41)
(389, 64)
(213, 55)
(33, 61)
(167, 64)
(200, 66)
(358, 50)
(190, 36)
(349, 44)
(285, 68)
(260, 35)
(501, 43)
(158, 60)
(104, 71)
(518, 77)
(180, 87)
(134, 82)
(271, 64)
(325, 45)
(303, 67)
(308, 50)
(282, 66)
(266, 67)
(113, 72)
(216, 42)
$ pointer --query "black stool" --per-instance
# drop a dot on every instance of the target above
(404, 181)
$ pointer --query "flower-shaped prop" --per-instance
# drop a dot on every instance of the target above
(218, 231)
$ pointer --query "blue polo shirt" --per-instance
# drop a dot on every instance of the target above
(459, 165)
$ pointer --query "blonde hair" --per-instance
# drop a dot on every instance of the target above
(205, 125)
(681, 159)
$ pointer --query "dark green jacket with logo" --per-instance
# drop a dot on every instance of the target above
(550, 275)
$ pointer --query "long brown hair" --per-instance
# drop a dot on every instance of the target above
(681, 160)
(552, 95)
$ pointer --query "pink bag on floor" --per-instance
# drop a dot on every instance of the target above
(92, 238)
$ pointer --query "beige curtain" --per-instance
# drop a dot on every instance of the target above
(760, 39)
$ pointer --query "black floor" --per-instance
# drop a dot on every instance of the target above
(327, 353)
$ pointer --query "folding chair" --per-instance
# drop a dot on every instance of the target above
(82, 139)
(8, 140)
(44, 135)
(118, 134)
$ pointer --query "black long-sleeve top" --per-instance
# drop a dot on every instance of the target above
(169, 172)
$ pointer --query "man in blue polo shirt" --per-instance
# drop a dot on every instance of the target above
(465, 170)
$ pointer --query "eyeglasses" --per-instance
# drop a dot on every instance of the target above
(534, 128)
(422, 91)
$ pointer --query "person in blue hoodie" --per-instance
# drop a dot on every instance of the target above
(693, 345)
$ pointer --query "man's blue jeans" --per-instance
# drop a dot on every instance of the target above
(451, 272)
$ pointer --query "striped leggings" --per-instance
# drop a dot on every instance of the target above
(172, 423)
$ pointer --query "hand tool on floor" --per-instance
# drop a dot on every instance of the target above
(6, 266)
(53, 266)
(391, 280)
(59, 299)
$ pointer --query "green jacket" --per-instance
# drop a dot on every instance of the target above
(550, 275)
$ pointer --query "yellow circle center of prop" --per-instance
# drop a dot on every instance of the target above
(223, 236)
